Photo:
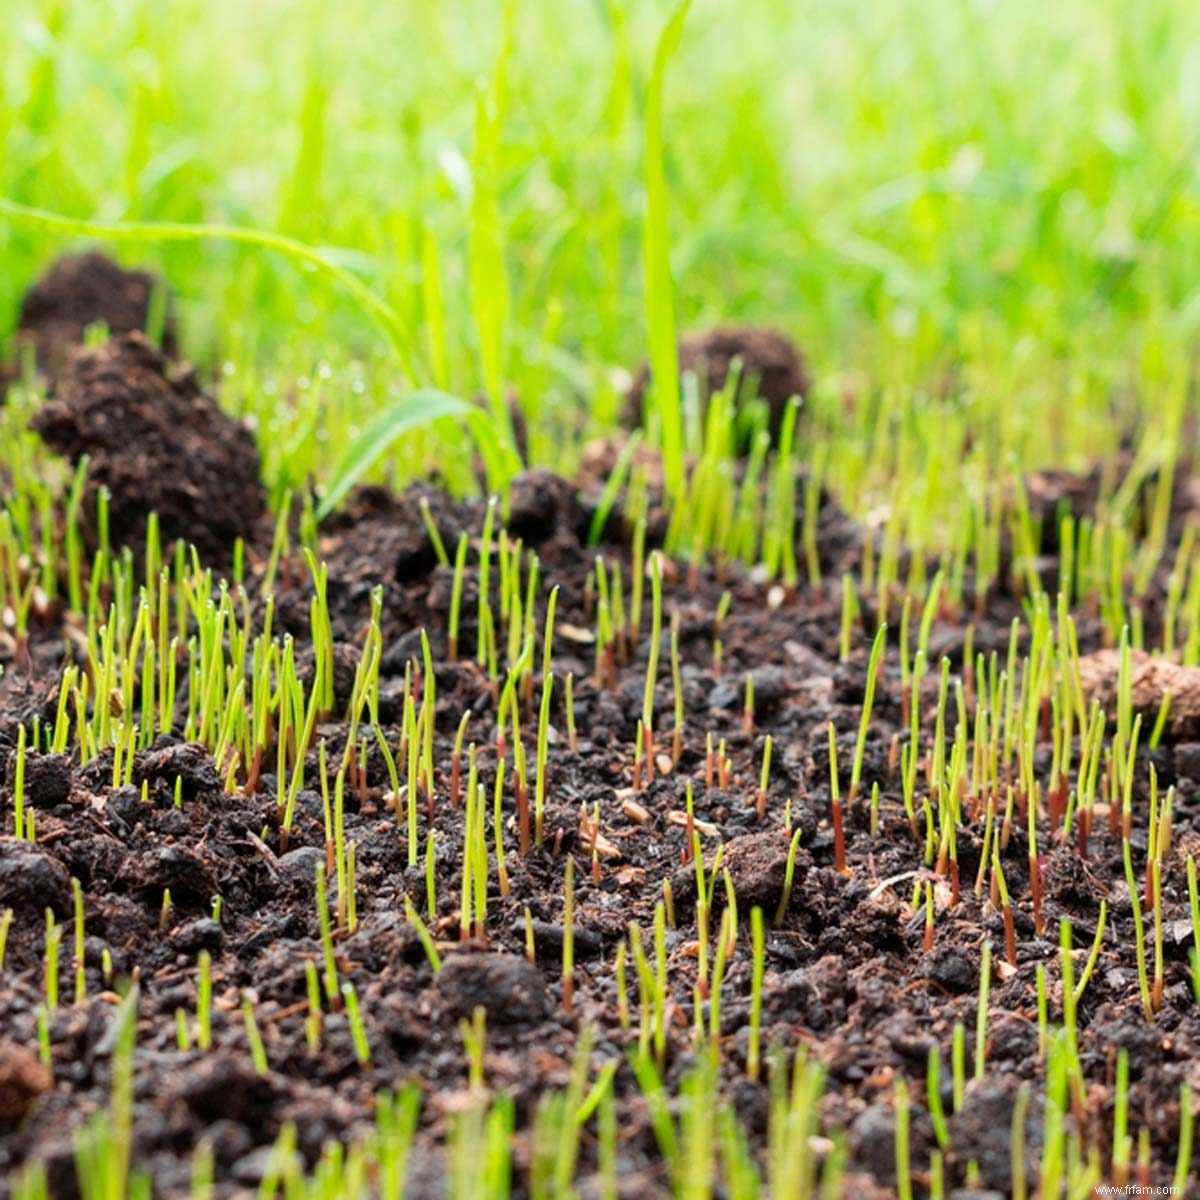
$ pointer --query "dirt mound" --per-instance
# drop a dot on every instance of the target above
(80, 290)
(158, 443)
(769, 361)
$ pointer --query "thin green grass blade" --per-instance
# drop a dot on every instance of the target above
(382, 315)
(414, 411)
(660, 292)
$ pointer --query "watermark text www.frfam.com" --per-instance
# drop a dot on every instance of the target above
(1138, 1189)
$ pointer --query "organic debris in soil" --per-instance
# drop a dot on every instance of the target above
(771, 367)
(80, 290)
(158, 443)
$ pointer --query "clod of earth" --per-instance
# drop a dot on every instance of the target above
(22, 1080)
(765, 355)
(80, 290)
(1150, 680)
(32, 879)
(510, 989)
(158, 443)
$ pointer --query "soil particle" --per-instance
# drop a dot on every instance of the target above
(770, 362)
(872, 1139)
(1150, 679)
(510, 988)
(47, 778)
(757, 864)
(1067, 879)
(548, 939)
(158, 443)
(22, 1080)
(951, 966)
(224, 1085)
(202, 933)
(79, 290)
(32, 880)
(541, 502)
(186, 761)
(982, 1130)
(1187, 764)
(189, 877)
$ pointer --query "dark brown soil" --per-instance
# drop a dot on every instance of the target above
(158, 443)
(846, 973)
(769, 360)
(79, 290)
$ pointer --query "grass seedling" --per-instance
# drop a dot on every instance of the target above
(718, 647)
(865, 720)
(1020, 1186)
(569, 702)
(1183, 1156)
(652, 660)
(456, 589)
(785, 897)
(981, 1011)
(1094, 954)
(426, 939)
(958, 1063)
(1139, 934)
(543, 743)
(849, 616)
(358, 1031)
(1194, 906)
(933, 1097)
(474, 1036)
(1043, 1012)
(839, 837)
(760, 803)
(1121, 1141)
(104, 1147)
(568, 950)
(6, 918)
(258, 1053)
(50, 972)
(183, 1034)
(903, 1162)
(485, 652)
(435, 538)
(45, 1049)
(756, 988)
(1010, 929)
(326, 931)
(677, 686)
(312, 1019)
(204, 1000)
(19, 787)
(80, 974)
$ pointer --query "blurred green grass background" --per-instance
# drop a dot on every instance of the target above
(994, 200)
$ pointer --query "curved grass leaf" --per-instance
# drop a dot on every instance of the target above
(381, 314)
(615, 482)
(417, 409)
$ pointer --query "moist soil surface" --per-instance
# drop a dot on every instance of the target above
(156, 442)
(847, 974)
